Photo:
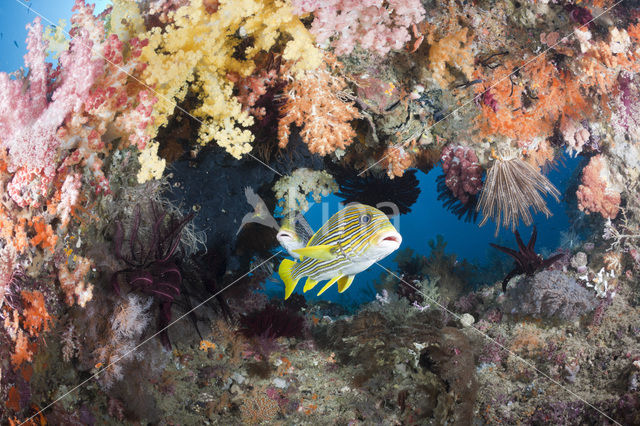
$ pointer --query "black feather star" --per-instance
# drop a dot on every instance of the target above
(464, 211)
(527, 260)
(401, 192)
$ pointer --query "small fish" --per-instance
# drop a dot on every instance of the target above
(260, 213)
(347, 244)
(16, 43)
(295, 232)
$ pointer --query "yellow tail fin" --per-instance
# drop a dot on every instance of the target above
(284, 270)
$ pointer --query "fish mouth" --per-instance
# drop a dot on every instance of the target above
(391, 239)
(285, 236)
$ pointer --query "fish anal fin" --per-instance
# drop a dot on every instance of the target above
(329, 284)
(321, 252)
(309, 284)
(344, 283)
(284, 270)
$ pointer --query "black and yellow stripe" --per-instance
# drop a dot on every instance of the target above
(348, 233)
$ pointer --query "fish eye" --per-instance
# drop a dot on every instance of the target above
(365, 219)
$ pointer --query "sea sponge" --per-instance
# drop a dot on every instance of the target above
(550, 294)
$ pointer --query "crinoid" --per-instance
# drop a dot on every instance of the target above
(527, 260)
(151, 261)
(511, 190)
(392, 196)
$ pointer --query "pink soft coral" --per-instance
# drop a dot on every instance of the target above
(28, 121)
(575, 135)
(376, 25)
(463, 173)
(595, 195)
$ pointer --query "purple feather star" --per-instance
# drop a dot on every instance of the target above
(151, 266)
(527, 261)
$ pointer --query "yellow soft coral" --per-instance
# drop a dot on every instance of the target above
(453, 50)
(125, 19)
(205, 48)
(293, 191)
(151, 166)
(56, 36)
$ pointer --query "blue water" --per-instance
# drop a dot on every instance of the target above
(428, 219)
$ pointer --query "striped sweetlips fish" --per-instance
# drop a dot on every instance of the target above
(348, 243)
(294, 233)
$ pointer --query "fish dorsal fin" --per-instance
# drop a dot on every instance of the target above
(329, 284)
(309, 284)
(321, 252)
(344, 283)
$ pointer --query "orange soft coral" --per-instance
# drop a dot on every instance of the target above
(13, 231)
(36, 318)
(23, 350)
(396, 160)
(313, 103)
(44, 234)
(542, 156)
(595, 195)
(529, 101)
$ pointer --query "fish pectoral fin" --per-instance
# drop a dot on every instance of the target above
(344, 283)
(309, 284)
(321, 252)
(329, 284)
(284, 270)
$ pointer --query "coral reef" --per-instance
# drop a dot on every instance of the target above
(303, 99)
